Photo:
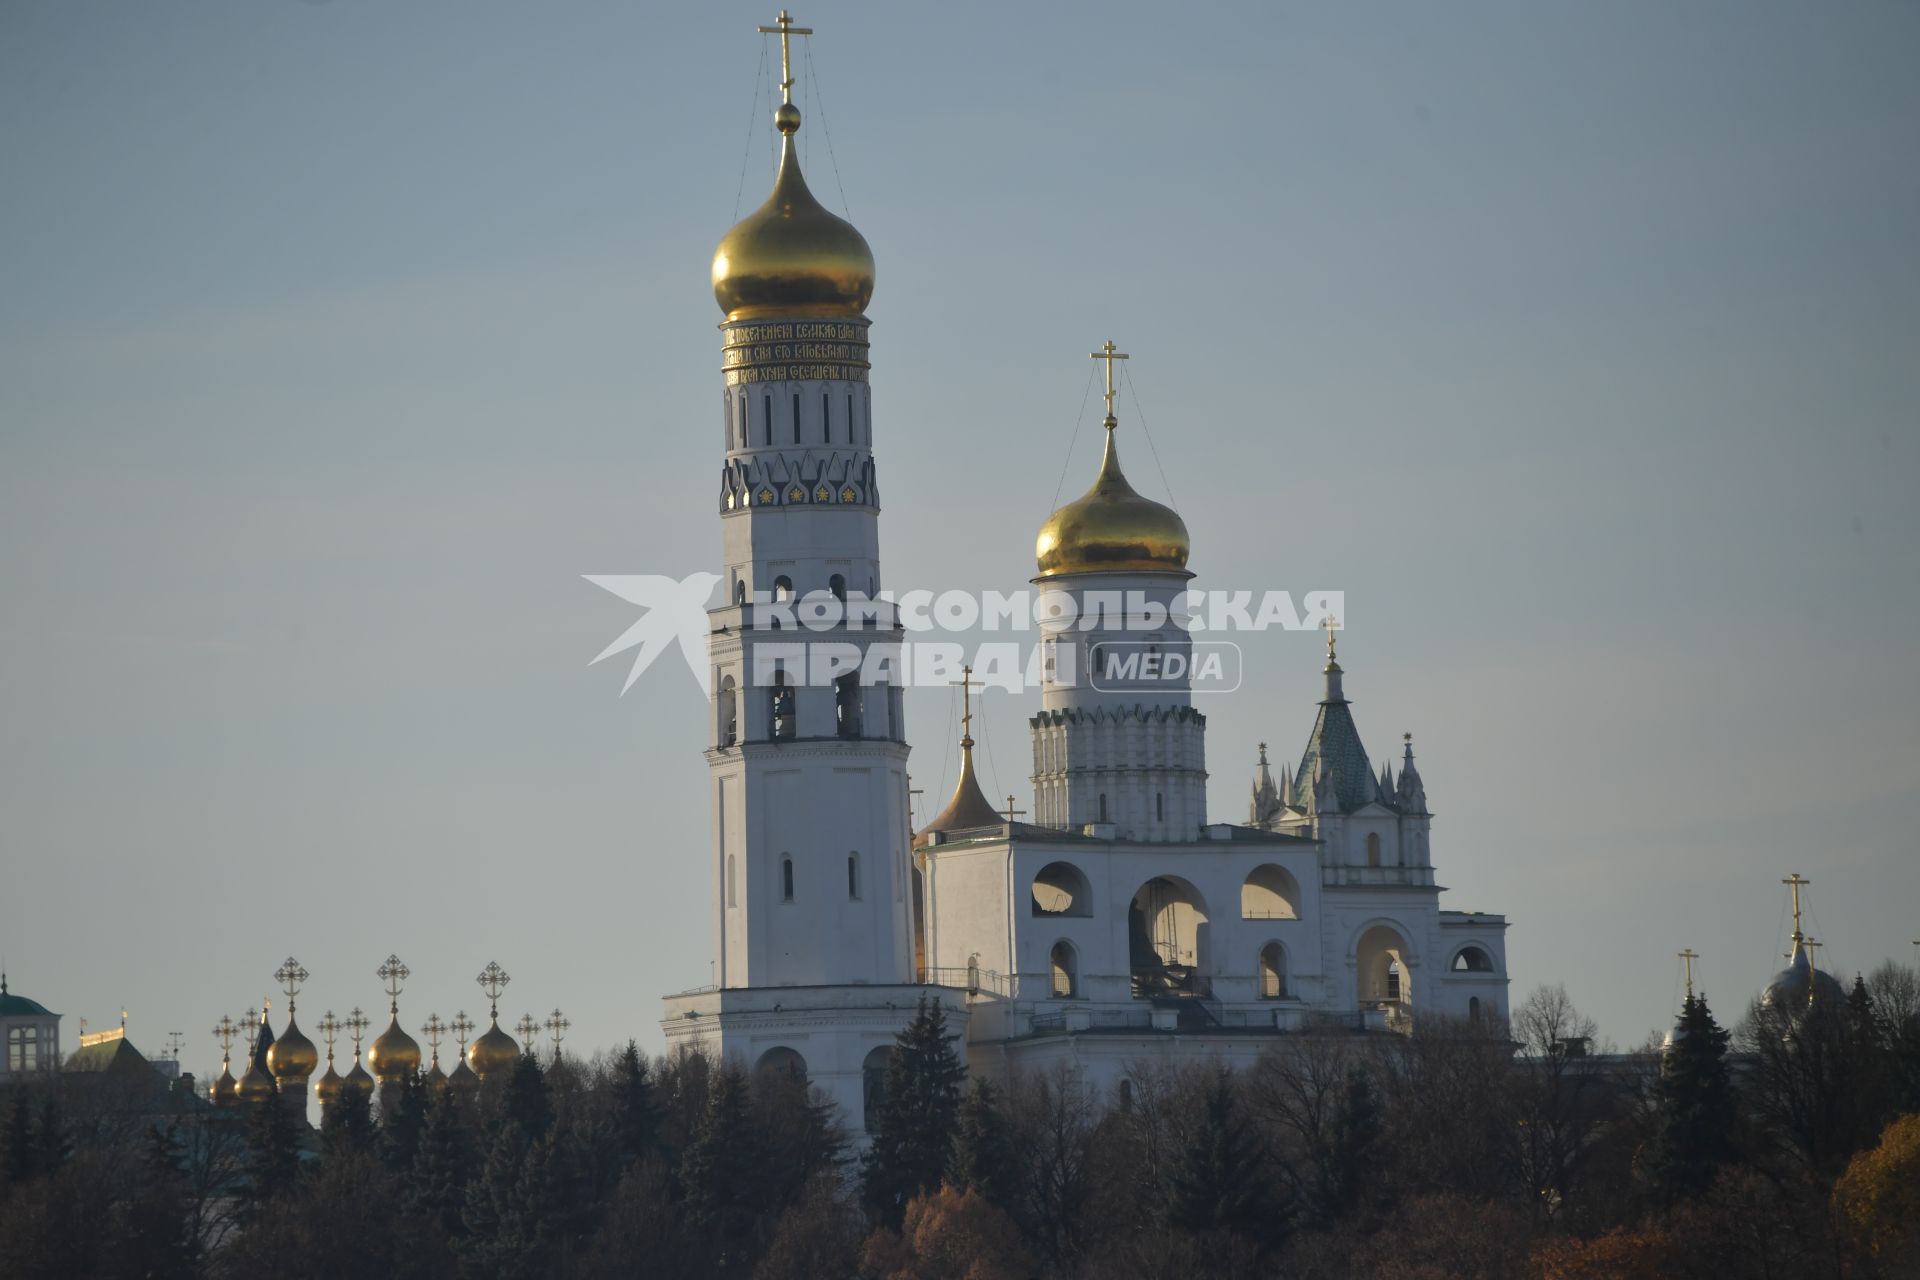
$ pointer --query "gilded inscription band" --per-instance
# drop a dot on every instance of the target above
(797, 373)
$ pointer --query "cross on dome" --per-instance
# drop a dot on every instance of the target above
(784, 29)
(1109, 354)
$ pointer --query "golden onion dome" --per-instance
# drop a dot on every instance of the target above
(495, 1050)
(1112, 528)
(292, 1058)
(223, 1088)
(358, 1081)
(461, 1079)
(435, 1079)
(255, 1086)
(326, 1090)
(790, 257)
(395, 1053)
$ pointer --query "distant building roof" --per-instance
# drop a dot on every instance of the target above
(12, 1006)
(108, 1051)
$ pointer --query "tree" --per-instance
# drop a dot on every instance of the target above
(350, 1220)
(982, 1152)
(818, 1235)
(526, 1101)
(512, 1207)
(403, 1123)
(1693, 1109)
(1877, 1201)
(636, 1111)
(19, 1163)
(796, 1134)
(346, 1127)
(1558, 1096)
(917, 1116)
(949, 1235)
(719, 1170)
(273, 1152)
(436, 1182)
(1219, 1180)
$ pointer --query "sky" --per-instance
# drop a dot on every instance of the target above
(1575, 343)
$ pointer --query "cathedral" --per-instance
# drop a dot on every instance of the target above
(1123, 923)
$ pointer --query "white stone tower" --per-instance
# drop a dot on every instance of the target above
(813, 968)
(1118, 744)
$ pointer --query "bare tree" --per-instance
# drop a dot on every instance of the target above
(1561, 1097)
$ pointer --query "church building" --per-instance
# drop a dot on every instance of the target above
(1122, 923)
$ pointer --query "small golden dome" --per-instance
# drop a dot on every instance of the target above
(435, 1079)
(223, 1089)
(461, 1079)
(495, 1050)
(969, 807)
(790, 257)
(328, 1087)
(358, 1081)
(395, 1053)
(1111, 528)
(255, 1086)
(292, 1058)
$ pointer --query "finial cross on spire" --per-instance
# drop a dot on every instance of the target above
(1330, 624)
(1688, 957)
(290, 976)
(1797, 883)
(493, 980)
(557, 1028)
(1109, 354)
(1012, 812)
(330, 1031)
(356, 1025)
(785, 29)
(224, 1031)
(529, 1031)
(462, 1027)
(967, 684)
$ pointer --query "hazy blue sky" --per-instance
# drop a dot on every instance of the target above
(1578, 343)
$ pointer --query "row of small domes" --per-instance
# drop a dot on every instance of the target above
(292, 1059)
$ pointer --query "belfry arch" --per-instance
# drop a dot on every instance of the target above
(1381, 967)
(1168, 942)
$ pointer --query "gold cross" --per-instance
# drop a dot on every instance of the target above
(493, 980)
(557, 1028)
(1328, 626)
(393, 973)
(784, 30)
(462, 1027)
(966, 683)
(356, 1025)
(290, 975)
(529, 1031)
(330, 1028)
(1797, 883)
(1689, 956)
(1108, 354)
(1012, 812)
(224, 1031)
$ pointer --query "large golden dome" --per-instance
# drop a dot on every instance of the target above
(255, 1086)
(1111, 528)
(394, 1054)
(790, 257)
(292, 1058)
(495, 1050)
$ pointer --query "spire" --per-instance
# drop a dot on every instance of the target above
(1334, 748)
(969, 806)
(1412, 795)
(1266, 797)
(1332, 669)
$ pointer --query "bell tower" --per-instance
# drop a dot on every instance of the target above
(806, 753)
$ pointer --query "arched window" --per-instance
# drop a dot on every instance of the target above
(766, 425)
(1472, 960)
(1061, 890)
(873, 1085)
(1273, 972)
(733, 894)
(1473, 1008)
(729, 711)
(796, 417)
(1065, 969)
(826, 418)
(740, 591)
(786, 879)
(782, 588)
(1393, 979)
(1373, 848)
(743, 419)
(846, 704)
(853, 877)
(838, 585)
(783, 725)
(1270, 893)
(782, 1063)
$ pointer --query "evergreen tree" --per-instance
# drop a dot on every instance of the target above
(163, 1153)
(917, 1116)
(1351, 1151)
(346, 1128)
(797, 1136)
(273, 1152)
(1693, 1109)
(636, 1111)
(436, 1184)
(719, 1172)
(511, 1208)
(1218, 1179)
(982, 1150)
(18, 1165)
(525, 1100)
(403, 1123)
(51, 1144)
